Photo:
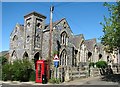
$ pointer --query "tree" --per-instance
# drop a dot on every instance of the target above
(111, 27)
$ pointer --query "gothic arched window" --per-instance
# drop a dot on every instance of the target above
(15, 38)
(28, 24)
(63, 58)
(39, 25)
(64, 38)
(95, 49)
(28, 38)
(82, 51)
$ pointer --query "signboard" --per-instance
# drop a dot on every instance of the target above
(56, 58)
(56, 61)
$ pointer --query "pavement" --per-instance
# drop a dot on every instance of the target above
(81, 81)
(90, 81)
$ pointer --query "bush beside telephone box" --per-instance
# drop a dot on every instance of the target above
(19, 70)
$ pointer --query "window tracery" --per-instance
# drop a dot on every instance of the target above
(64, 38)
(63, 58)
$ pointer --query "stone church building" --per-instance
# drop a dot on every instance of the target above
(31, 40)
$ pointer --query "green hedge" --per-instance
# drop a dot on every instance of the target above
(20, 70)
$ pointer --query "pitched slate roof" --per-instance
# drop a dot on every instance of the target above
(90, 44)
(54, 23)
(100, 47)
(77, 39)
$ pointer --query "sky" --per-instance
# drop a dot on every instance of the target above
(82, 17)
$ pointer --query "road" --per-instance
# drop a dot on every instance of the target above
(84, 82)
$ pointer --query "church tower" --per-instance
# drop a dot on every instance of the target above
(33, 25)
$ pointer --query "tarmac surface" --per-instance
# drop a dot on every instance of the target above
(90, 81)
(83, 82)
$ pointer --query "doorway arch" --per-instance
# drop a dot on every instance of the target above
(36, 57)
(25, 55)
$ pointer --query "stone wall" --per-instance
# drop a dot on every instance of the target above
(45, 45)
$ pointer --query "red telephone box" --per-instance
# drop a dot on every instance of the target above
(41, 70)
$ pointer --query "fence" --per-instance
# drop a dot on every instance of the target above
(75, 73)
(71, 73)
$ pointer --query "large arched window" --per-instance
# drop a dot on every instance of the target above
(63, 57)
(64, 38)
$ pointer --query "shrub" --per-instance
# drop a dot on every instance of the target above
(32, 76)
(20, 70)
(7, 72)
(101, 64)
(54, 80)
(58, 80)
